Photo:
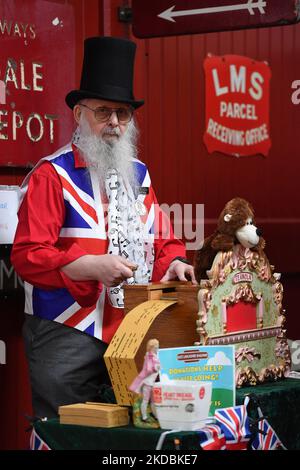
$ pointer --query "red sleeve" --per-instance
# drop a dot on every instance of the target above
(166, 245)
(35, 254)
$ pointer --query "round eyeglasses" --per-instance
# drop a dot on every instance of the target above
(103, 113)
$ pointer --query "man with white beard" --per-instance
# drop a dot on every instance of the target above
(88, 222)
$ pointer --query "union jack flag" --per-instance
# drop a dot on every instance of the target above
(36, 443)
(234, 422)
(212, 438)
(266, 438)
(85, 223)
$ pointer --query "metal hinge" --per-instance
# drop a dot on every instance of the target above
(125, 14)
(297, 9)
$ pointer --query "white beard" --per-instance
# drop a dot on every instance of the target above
(102, 155)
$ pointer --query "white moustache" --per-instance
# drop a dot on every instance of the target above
(110, 131)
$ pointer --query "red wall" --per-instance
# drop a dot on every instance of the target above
(170, 77)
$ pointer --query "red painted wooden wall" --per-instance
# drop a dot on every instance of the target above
(170, 77)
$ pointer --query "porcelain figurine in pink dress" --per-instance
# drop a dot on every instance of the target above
(145, 380)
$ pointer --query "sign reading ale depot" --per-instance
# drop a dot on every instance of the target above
(37, 69)
(237, 105)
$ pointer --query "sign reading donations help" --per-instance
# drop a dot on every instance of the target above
(37, 69)
(237, 105)
(215, 364)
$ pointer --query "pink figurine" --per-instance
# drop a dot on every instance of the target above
(144, 382)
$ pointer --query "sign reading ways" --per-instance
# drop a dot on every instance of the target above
(175, 17)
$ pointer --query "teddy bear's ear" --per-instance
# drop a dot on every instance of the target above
(227, 217)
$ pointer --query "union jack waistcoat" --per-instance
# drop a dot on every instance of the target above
(84, 224)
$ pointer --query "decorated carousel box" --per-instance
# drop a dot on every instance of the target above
(241, 303)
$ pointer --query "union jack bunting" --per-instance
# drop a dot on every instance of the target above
(234, 422)
(211, 437)
(36, 443)
(266, 438)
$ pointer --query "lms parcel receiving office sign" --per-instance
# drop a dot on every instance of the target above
(175, 17)
(237, 107)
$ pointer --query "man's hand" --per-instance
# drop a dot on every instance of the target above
(180, 270)
(111, 270)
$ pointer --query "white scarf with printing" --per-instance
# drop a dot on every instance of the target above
(126, 234)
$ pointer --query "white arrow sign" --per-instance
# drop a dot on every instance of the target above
(250, 6)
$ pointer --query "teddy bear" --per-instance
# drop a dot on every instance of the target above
(235, 225)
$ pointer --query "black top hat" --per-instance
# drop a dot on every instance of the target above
(107, 72)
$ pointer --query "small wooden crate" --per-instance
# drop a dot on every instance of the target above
(104, 415)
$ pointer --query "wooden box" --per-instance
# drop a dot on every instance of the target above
(166, 311)
(102, 415)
